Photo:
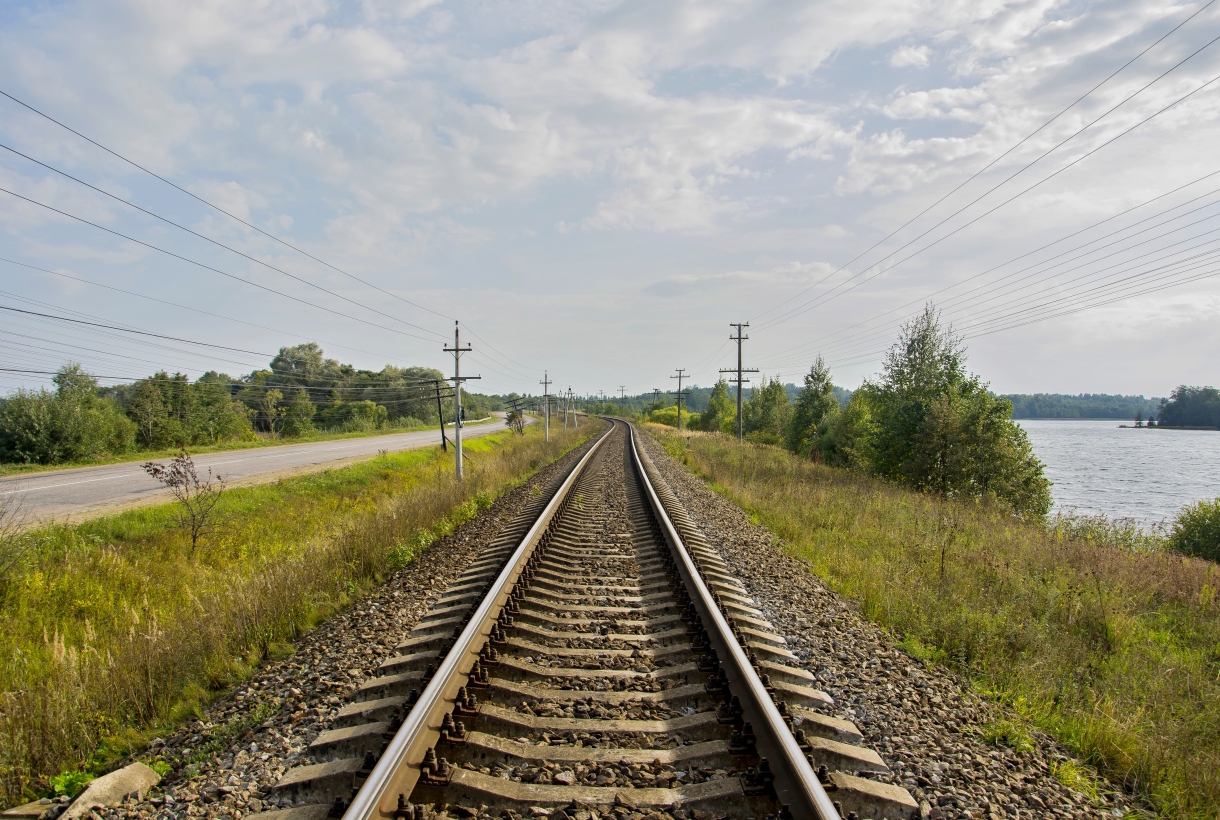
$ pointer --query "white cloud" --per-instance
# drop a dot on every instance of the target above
(917, 56)
(721, 150)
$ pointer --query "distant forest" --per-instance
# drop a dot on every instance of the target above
(1081, 406)
(1024, 405)
(1191, 407)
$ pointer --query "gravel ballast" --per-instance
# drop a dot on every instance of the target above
(922, 719)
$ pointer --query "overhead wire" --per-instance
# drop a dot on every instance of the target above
(233, 216)
(799, 310)
(924, 299)
(217, 208)
(183, 307)
(831, 296)
(209, 267)
(217, 243)
(1003, 289)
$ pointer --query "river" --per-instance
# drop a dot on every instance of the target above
(1147, 475)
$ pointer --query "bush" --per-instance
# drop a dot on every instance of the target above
(1196, 530)
(669, 416)
(72, 424)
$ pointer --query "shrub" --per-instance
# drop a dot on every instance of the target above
(72, 424)
(1196, 530)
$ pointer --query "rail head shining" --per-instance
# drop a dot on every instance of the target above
(796, 782)
(398, 769)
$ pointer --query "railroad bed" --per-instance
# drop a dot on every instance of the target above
(596, 660)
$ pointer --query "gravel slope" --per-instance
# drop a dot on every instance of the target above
(921, 719)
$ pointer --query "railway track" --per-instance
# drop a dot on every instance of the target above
(596, 660)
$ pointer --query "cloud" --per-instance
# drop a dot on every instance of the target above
(917, 56)
(719, 151)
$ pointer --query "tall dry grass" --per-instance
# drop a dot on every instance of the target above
(112, 628)
(1113, 650)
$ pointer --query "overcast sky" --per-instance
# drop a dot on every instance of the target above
(599, 188)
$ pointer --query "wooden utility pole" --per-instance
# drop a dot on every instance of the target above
(739, 338)
(679, 377)
(622, 399)
(457, 350)
(546, 407)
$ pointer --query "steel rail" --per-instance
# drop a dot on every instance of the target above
(398, 770)
(796, 783)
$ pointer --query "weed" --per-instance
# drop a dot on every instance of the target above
(70, 784)
(1006, 733)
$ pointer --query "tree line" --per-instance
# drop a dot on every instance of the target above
(1190, 407)
(925, 421)
(1080, 406)
(301, 392)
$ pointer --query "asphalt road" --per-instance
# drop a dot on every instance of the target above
(71, 493)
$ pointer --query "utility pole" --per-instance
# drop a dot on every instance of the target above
(679, 377)
(622, 399)
(739, 338)
(656, 395)
(457, 350)
(546, 407)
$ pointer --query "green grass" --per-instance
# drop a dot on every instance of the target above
(260, 440)
(1114, 650)
(113, 628)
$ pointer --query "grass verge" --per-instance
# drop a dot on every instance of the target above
(114, 628)
(1115, 652)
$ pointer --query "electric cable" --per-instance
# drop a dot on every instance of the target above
(209, 267)
(798, 310)
(218, 243)
(217, 207)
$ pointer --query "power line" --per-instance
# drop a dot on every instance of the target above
(209, 267)
(832, 296)
(1046, 246)
(217, 207)
(217, 243)
(798, 310)
(1003, 289)
(184, 307)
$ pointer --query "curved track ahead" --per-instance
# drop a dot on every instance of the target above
(597, 660)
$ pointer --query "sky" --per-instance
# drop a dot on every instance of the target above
(597, 189)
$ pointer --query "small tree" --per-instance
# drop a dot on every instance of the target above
(815, 406)
(273, 411)
(197, 498)
(1196, 530)
(721, 413)
(516, 422)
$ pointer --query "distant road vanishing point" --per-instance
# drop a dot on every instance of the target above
(74, 492)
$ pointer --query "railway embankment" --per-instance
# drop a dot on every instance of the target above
(115, 630)
(995, 664)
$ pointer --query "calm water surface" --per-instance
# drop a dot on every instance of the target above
(1148, 475)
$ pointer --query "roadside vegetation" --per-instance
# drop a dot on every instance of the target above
(925, 421)
(1088, 634)
(922, 500)
(120, 626)
(301, 396)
